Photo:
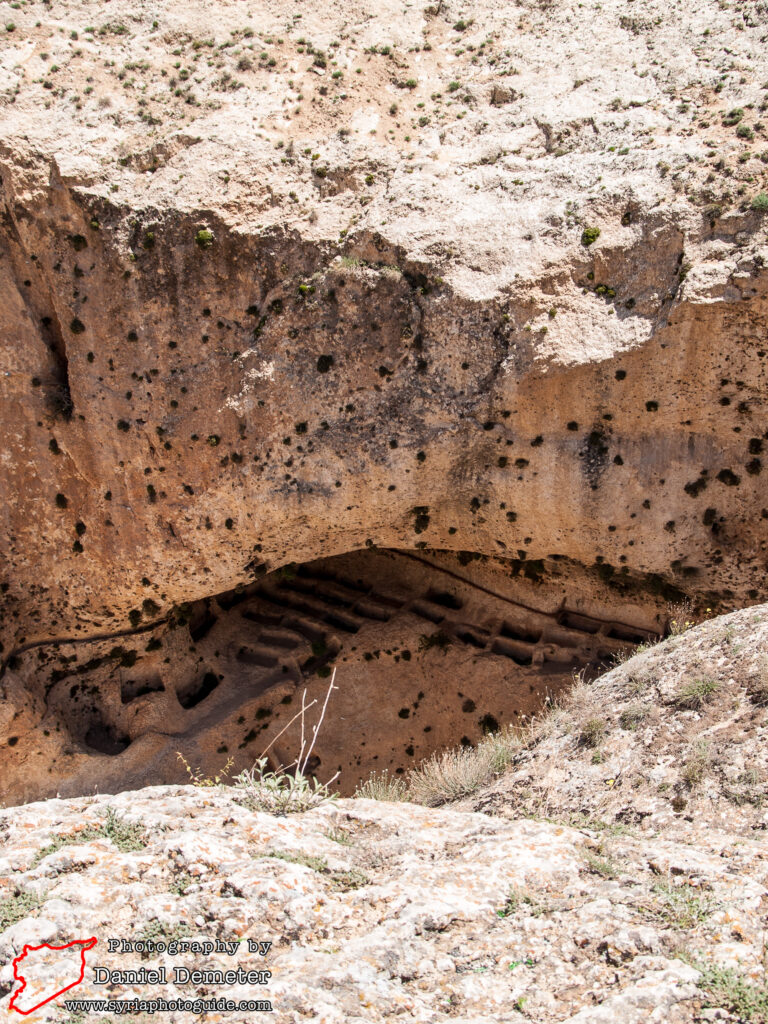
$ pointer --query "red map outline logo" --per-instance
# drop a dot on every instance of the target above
(86, 944)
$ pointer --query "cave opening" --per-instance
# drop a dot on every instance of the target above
(431, 649)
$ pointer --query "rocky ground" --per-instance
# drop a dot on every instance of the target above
(617, 871)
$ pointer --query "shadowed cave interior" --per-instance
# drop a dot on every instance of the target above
(432, 649)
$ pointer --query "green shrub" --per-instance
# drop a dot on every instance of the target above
(729, 989)
(589, 236)
(204, 238)
(733, 116)
(760, 202)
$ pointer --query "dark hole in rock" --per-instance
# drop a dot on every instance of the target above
(192, 695)
(201, 622)
(106, 740)
(130, 689)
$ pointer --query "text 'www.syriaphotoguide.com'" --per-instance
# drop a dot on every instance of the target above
(167, 1005)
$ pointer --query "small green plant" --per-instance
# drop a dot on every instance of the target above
(694, 695)
(17, 907)
(181, 883)
(289, 789)
(510, 906)
(338, 835)
(729, 989)
(345, 881)
(589, 236)
(280, 792)
(161, 931)
(733, 116)
(592, 732)
(681, 906)
(342, 881)
(127, 837)
(204, 238)
(760, 202)
(197, 778)
(632, 716)
(757, 686)
(517, 899)
(528, 962)
(609, 828)
(305, 859)
(599, 865)
(750, 788)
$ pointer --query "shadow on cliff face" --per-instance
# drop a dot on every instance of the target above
(198, 404)
(431, 649)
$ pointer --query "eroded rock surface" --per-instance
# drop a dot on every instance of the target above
(279, 288)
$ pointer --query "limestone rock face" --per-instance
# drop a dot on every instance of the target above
(280, 288)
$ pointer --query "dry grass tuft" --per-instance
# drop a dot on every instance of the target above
(453, 774)
(382, 786)
(695, 766)
(694, 695)
(757, 687)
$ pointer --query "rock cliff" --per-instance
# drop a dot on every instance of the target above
(483, 288)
